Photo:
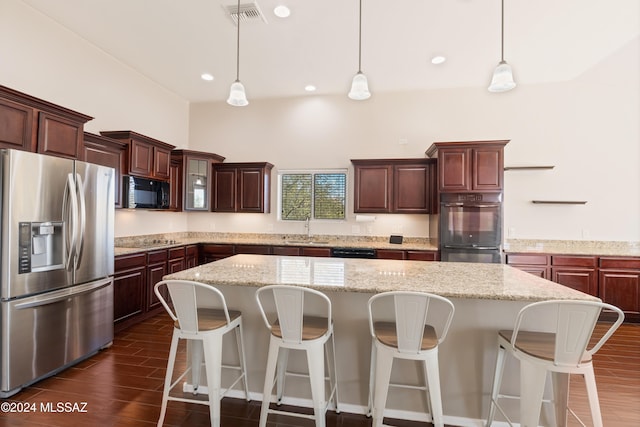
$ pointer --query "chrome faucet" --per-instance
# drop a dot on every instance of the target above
(307, 226)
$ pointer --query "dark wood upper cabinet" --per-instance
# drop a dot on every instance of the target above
(107, 152)
(242, 187)
(393, 185)
(193, 183)
(31, 124)
(148, 157)
(469, 166)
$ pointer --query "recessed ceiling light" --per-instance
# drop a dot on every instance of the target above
(281, 11)
(206, 76)
(310, 88)
(438, 59)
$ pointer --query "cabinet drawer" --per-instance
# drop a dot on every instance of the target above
(626, 263)
(253, 249)
(157, 256)
(218, 249)
(125, 262)
(574, 261)
(528, 259)
(390, 254)
(285, 250)
(175, 253)
(422, 255)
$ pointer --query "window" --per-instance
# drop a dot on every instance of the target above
(311, 194)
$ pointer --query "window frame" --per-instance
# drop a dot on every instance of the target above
(313, 172)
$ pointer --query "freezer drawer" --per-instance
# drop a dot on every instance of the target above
(44, 334)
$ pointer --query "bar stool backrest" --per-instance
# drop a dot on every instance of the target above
(574, 324)
(291, 307)
(187, 297)
(411, 312)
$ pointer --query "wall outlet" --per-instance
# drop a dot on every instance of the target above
(585, 233)
(511, 232)
(270, 228)
(396, 229)
(212, 226)
(355, 229)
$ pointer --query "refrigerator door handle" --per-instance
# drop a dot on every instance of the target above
(70, 217)
(82, 213)
(63, 294)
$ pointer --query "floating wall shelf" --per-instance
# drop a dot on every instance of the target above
(560, 202)
(508, 168)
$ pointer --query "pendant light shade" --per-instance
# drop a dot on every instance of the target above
(237, 95)
(502, 79)
(359, 86)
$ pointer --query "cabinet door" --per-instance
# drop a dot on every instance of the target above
(390, 254)
(251, 196)
(622, 289)
(580, 279)
(224, 190)
(191, 256)
(197, 184)
(411, 189)
(253, 249)
(60, 137)
(141, 158)
(487, 169)
(176, 265)
(213, 252)
(373, 186)
(161, 163)
(16, 126)
(454, 168)
(285, 250)
(422, 255)
(129, 283)
(101, 152)
(155, 273)
(175, 190)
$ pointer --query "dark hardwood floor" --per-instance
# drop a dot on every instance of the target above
(122, 386)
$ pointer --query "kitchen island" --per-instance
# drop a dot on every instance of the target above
(486, 297)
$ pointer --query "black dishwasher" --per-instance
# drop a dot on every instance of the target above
(353, 253)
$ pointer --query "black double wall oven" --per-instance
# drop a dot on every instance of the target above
(471, 227)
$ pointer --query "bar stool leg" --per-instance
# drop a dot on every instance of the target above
(592, 393)
(372, 378)
(213, 359)
(272, 360)
(243, 360)
(433, 377)
(196, 354)
(497, 382)
(332, 367)
(532, 379)
(173, 349)
(315, 359)
(384, 362)
(283, 360)
(560, 383)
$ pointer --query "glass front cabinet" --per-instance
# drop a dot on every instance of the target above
(196, 178)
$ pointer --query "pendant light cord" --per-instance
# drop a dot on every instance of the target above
(360, 39)
(501, 33)
(238, 44)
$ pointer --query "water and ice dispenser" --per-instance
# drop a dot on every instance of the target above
(41, 246)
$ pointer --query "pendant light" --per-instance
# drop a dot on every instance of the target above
(359, 86)
(237, 95)
(502, 79)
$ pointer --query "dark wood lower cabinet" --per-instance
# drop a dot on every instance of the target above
(156, 270)
(129, 283)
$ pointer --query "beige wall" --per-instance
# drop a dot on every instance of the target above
(588, 128)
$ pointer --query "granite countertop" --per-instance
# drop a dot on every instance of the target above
(126, 245)
(574, 247)
(448, 279)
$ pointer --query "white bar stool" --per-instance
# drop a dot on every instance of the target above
(407, 325)
(562, 351)
(293, 329)
(201, 317)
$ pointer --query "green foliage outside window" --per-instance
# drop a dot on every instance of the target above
(324, 194)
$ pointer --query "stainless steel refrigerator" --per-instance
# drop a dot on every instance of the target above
(56, 299)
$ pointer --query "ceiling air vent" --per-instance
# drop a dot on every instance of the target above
(249, 12)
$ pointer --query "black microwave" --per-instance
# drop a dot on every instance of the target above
(143, 193)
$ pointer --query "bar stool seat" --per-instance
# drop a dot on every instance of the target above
(419, 324)
(562, 351)
(292, 329)
(200, 316)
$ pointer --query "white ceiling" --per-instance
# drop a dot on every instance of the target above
(174, 41)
